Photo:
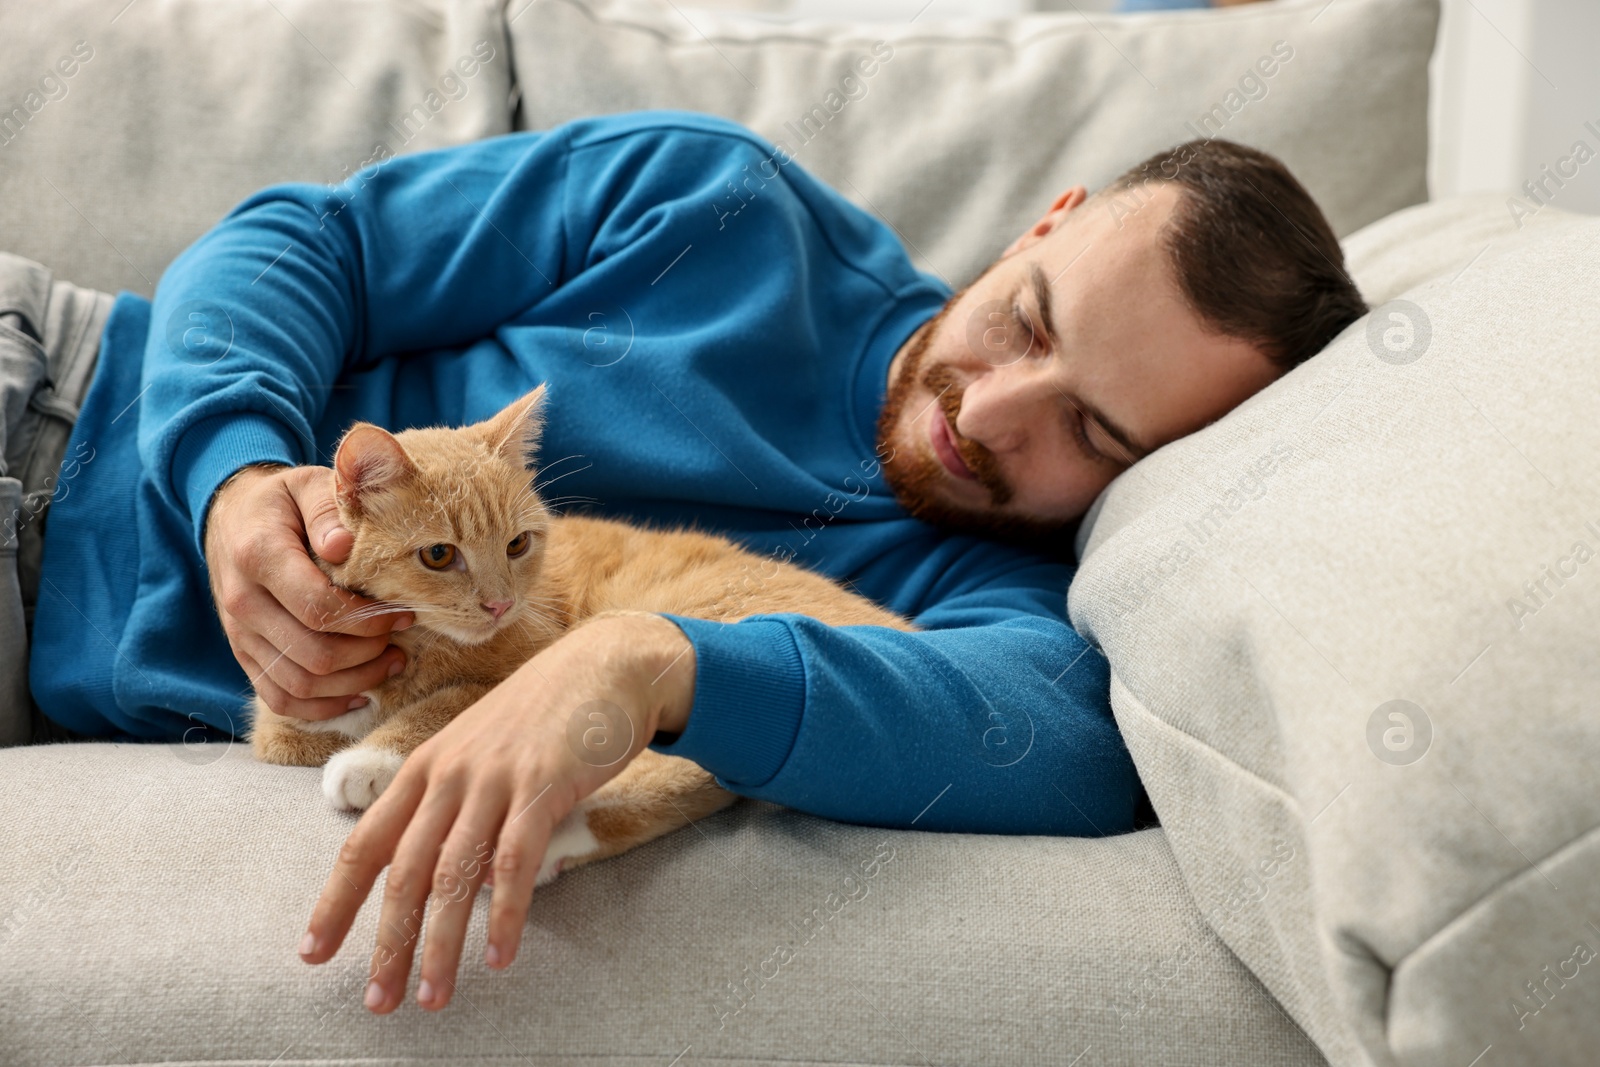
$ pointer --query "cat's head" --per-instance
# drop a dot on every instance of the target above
(446, 520)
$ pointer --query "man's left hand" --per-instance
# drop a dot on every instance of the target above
(486, 792)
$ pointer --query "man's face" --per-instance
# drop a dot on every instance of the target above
(1071, 357)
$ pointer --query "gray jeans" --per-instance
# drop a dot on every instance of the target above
(49, 349)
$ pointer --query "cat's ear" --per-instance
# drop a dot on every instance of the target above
(514, 433)
(368, 460)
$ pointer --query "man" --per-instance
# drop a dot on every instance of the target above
(726, 341)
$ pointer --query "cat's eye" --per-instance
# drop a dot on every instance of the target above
(437, 557)
(519, 544)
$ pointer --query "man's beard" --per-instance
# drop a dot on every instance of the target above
(914, 475)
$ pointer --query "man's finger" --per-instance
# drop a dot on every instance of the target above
(313, 696)
(323, 651)
(301, 587)
(319, 509)
(408, 893)
(517, 856)
(456, 881)
(268, 690)
(318, 653)
(365, 852)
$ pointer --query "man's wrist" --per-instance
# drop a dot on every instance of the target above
(265, 464)
(667, 659)
(676, 677)
(660, 661)
(216, 494)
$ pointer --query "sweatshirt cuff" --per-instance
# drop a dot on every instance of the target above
(749, 695)
(212, 449)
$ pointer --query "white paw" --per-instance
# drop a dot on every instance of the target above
(355, 777)
(571, 839)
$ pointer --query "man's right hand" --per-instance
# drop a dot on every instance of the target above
(308, 645)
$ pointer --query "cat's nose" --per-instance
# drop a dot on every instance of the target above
(496, 608)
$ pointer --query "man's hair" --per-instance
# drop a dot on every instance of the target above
(1253, 255)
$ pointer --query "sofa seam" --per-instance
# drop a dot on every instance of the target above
(1293, 802)
(1289, 802)
(1461, 916)
(1289, 799)
(1481, 902)
(515, 90)
(1244, 14)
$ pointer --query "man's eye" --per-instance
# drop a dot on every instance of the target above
(1025, 337)
(1081, 434)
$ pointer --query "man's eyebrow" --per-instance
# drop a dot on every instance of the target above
(1133, 451)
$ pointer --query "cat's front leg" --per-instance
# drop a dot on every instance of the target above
(357, 776)
(653, 795)
(279, 739)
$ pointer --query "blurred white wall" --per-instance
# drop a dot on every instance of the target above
(1514, 84)
(1516, 88)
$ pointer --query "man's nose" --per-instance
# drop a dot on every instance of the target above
(496, 608)
(996, 407)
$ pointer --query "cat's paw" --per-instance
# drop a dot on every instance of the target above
(356, 777)
(572, 839)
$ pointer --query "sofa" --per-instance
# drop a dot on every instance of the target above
(1316, 892)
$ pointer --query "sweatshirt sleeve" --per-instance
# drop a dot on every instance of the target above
(253, 324)
(995, 717)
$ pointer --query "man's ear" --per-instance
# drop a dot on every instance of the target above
(1049, 220)
(368, 460)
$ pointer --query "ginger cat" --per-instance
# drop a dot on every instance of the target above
(448, 525)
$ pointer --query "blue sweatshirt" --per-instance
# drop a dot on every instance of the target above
(716, 327)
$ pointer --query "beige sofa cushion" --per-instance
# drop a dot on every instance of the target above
(1439, 237)
(1359, 615)
(153, 897)
(960, 132)
(128, 129)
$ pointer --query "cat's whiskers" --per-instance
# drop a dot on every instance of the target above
(372, 611)
(540, 616)
(557, 501)
(527, 499)
(551, 607)
(443, 626)
(538, 485)
(425, 639)
(432, 633)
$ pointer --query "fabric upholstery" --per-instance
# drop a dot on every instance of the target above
(1037, 103)
(1357, 615)
(154, 896)
(1409, 247)
(183, 108)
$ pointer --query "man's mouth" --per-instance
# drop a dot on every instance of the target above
(944, 447)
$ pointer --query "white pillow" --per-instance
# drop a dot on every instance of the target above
(1352, 622)
(959, 132)
(1407, 248)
